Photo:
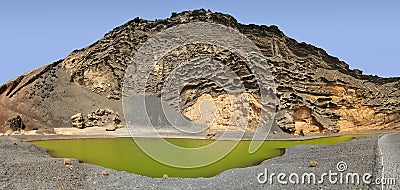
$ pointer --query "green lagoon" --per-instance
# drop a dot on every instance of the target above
(125, 155)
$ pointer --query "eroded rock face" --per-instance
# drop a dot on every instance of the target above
(317, 93)
(103, 117)
(216, 112)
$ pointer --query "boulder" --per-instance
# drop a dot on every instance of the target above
(16, 123)
(78, 121)
(103, 117)
(92, 120)
(111, 127)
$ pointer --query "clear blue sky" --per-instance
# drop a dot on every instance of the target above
(362, 33)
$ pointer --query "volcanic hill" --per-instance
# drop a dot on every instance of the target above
(317, 93)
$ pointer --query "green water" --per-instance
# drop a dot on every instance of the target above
(123, 154)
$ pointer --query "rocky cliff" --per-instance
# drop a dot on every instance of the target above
(317, 93)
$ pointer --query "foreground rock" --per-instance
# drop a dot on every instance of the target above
(78, 121)
(24, 166)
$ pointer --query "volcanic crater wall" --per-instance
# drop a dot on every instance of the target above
(316, 93)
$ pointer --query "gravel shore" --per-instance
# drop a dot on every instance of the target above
(26, 166)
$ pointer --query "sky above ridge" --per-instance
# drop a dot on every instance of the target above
(363, 34)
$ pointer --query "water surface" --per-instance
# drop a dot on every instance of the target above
(123, 154)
